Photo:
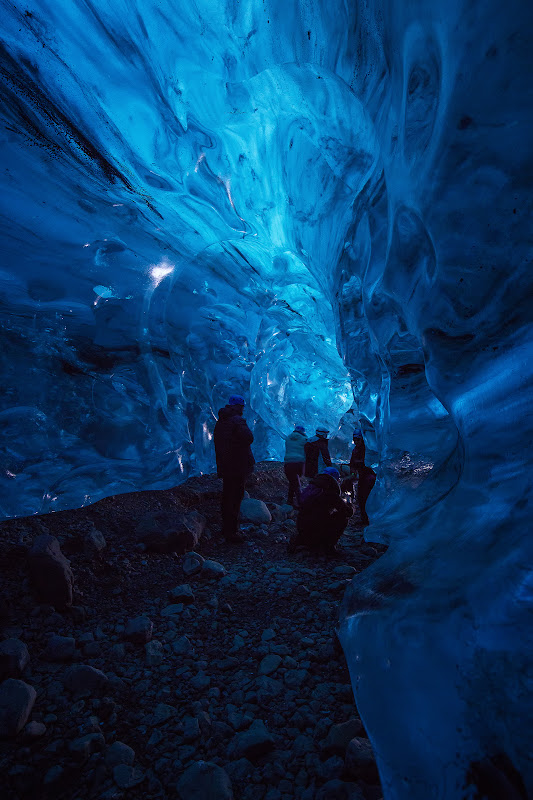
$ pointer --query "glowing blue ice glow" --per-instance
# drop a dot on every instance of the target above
(325, 207)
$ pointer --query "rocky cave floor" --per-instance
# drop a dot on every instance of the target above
(248, 676)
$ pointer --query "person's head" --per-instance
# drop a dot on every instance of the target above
(299, 429)
(357, 434)
(333, 471)
(322, 432)
(237, 402)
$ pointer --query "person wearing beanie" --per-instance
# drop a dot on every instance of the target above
(366, 477)
(317, 453)
(323, 514)
(294, 462)
(357, 459)
(235, 462)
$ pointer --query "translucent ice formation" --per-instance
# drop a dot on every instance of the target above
(176, 208)
(210, 197)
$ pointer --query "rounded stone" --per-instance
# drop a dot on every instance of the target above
(269, 664)
(119, 753)
(205, 781)
(16, 702)
(139, 630)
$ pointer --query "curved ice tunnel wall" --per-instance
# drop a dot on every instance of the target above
(216, 197)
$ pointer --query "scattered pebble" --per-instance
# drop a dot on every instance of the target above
(244, 674)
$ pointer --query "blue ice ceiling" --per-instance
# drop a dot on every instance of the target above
(175, 207)
(326, 207)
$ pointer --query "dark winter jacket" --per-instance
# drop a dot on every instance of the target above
(358, 454)
(233, 438)
(316, 449)
(322, 502)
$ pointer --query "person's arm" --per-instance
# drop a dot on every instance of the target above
(325, 452)
(243, 432)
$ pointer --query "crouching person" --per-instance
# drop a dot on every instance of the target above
(323, 514)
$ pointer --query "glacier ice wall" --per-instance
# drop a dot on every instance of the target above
(214, 197)
(436, 282)
(173, 208)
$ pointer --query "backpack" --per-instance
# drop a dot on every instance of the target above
(309, 495)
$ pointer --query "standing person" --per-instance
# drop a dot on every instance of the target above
(317, 453)
(357, 459)
(365, 484)
(323, 514)
(294, 462)
(235, 462)
(366, 477)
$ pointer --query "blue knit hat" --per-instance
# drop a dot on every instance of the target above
(236, 400)
(299, 428)
(332, 471)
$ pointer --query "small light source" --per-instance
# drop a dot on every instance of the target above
(160, 271)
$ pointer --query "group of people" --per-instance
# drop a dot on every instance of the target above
(324, 505)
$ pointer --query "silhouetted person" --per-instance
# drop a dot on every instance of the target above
(317, 453)
(366, 477)
(357, 459)
(294, 461)
(323, 514)
(235, 462)
(365, 484)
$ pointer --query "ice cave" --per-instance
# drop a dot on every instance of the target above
(323, 206)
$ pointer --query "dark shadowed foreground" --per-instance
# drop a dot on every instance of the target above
(236, 665)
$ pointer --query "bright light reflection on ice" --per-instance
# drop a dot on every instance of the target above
(160, 271)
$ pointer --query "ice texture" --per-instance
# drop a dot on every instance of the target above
(327, 208)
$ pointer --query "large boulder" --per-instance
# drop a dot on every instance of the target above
(16, 702)
(14, 658)
(50, 574)
(205, 781)
(255, 511)
(170, 531)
